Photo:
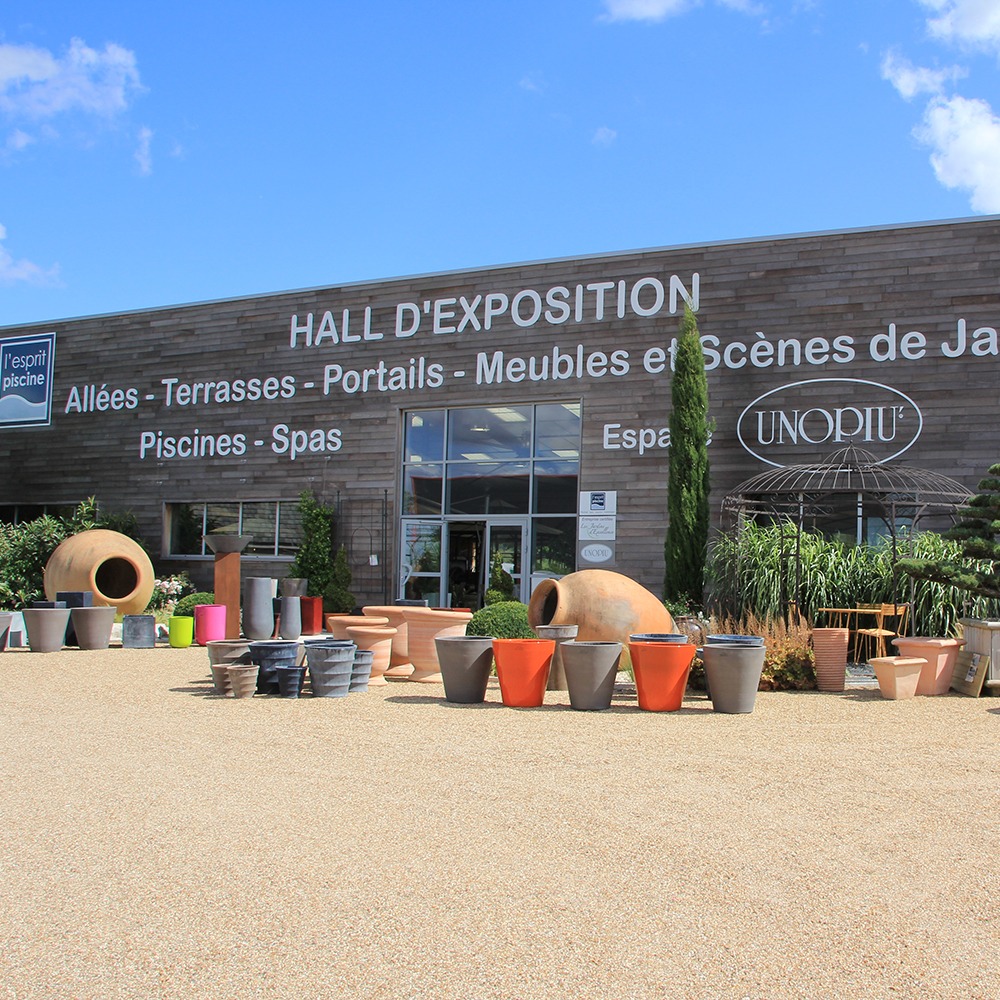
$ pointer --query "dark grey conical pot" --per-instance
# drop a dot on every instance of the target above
(466, 662)
(591, 669)
(733, 674)
(561, 633)
(46, 628)
(92, 626)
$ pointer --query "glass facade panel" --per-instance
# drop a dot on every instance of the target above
(187, 524)
(479, 433)
(555, 487)
(289, 529)
(422, 488)
(554, 545)
(488, 488)
(276, 526)
(259, 520)
(424, 436)
(557, 431)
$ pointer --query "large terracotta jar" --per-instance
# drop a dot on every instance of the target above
(378, 639)
(399, 658)
(425, 625)
(606, 606)
(110, 564)
(941, 656)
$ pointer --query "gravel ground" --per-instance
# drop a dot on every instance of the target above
(158, 841)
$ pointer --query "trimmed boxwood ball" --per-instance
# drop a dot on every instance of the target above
(186, 605)
(503, 620)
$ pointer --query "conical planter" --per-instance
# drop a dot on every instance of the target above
(733, 675)
(395, 617)
(243, 679)
(661, 671)
(941, 656)
(591, 670)
(293, 586)
(523, 670)
(290, 678)
(378, 639)
(290, 617)
(330, 668)
(830, 651)
(425, 625)
(180, 631)
(337, 625)
(258, 607)
(898, 676)
(269, 655)
(361, 671)
(561, 634)
(466, 662)
(93, 626)
(46, 628)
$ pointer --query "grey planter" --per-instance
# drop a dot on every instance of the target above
(362, 670)
(591, 669)
(733, 674)
(138, 631)
(258, 607)
(561, 633)
(6, 619)
(46, 628)
(331, 668)
(466, 662)
(92, 625)
(293, 586)
(290, 618)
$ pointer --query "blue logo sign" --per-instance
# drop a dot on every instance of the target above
(26, 367)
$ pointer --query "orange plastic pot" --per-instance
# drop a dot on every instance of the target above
(523, 670)
(661, 673)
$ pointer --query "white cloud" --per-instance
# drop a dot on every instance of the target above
(532, 82)
(35, 84)
(970, 22)
(645, 10)
(13, 271)
(604, 136)
(143, 152)
(911, 80)
(964, 136)
(18, 140)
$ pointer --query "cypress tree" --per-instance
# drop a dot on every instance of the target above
(686, 546)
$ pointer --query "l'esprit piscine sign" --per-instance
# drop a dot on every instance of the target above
(26, 365)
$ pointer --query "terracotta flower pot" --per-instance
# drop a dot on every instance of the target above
(93, 626)
(561, 634)
(523, 670)
(395, 617)
(661, 671)
(733, 674)
(898, 676)
(606, 606)
(941, 656)
(466, 662)
(830, 650)
(379, 640)
(425, 625)
(591, 669)
(337, 625)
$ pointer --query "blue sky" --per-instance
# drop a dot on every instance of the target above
(156, 154)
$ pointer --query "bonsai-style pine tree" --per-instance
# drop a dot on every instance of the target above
(686, 545)
(977, 532)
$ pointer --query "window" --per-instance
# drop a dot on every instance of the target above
(275, 526)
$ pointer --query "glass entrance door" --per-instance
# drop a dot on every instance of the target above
(507, 538)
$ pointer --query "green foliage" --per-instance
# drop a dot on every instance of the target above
(167, 591)
(754, 572)
(975, 567)
(503, 620)
(186, 605)
(500, 580)
(314, 559)
(686, 544)
(495, 596)
(337, 597)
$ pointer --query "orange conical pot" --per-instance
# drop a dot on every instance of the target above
(661, 673)
(111, 565)
(523, 670)
(606, 606)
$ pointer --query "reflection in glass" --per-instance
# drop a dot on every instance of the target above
(422, 547)
(186, 528)
(424, 436)
(289, 528)
(259, 521)
(477, 433)
(555, 487)
(554, 545)
(488, 488)
(422, 486)
(557, 431)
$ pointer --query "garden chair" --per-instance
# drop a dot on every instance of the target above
(886, 616)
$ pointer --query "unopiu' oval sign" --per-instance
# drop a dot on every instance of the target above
(597, 553)
(805, 421)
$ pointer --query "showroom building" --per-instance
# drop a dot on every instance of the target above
(520, 410)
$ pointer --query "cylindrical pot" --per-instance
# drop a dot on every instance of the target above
(293, 586)
(591, 669)
(466, 662)
(93, 626)
(425, 625)
(733, 674)
(941, 656)
(606, 606)
(290, 679)
(395, 617)
(330, 668)
(243, 679)
(290, 619)
(258, 607)
(337, 625)
(561, 634)
(46, 628)
(112, 565)
(180, 631)
(661, 673)
(830, 651)
(209, 623)
(269, 655)
(362, 670)
(523, 670)
(378, 639)
(312, 615)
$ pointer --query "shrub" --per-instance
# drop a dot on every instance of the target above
(314, 559)
(167, 591)
(788, 656)
(503, 620)
(186, 605)
(337, 597)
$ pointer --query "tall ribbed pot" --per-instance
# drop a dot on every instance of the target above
(466, 662)
(258, 607)
(561, 634)
(733, 674)
(591, 669)
(830, 652)
(93, 626)
(46, 628)
(606, 606)
(269, 655)
(330, 668)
